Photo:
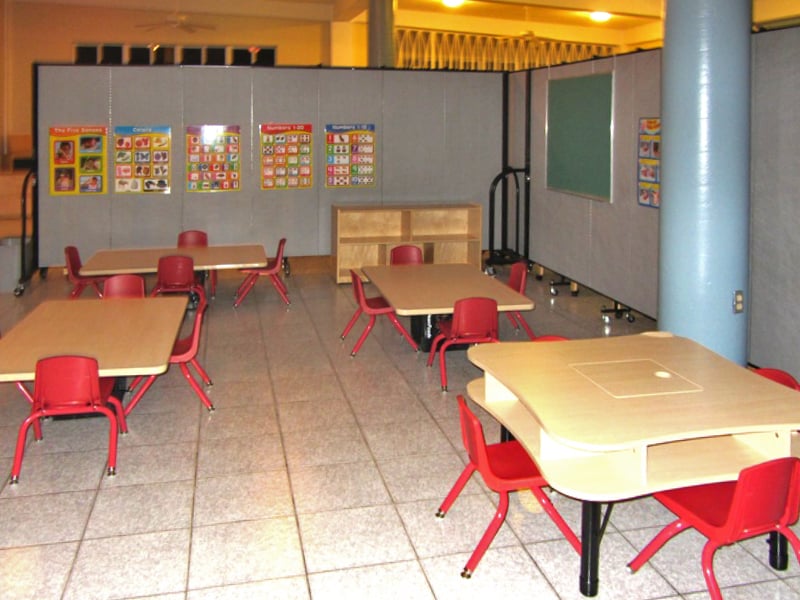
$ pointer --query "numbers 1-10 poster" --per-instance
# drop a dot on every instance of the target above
(350, 155)
(286, 156)
(212, 158)
(77, 160)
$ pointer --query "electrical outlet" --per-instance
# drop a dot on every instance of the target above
(738, 301)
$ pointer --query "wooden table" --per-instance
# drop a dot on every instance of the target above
(615, 418)
(422, 291)
(145, 260)
(128, 337)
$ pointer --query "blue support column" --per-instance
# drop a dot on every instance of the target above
(704, 220)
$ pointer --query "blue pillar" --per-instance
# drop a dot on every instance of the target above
(704, 219)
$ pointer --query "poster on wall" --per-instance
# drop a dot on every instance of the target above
(77, 159)
(142, 159)
(213, 158)
(286, 156)
(649, 177)
(350, 155)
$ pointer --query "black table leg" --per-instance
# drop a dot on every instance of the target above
(778, 554)
(423, 330)
(590, 547)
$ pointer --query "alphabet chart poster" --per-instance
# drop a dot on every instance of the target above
(77, 160)
(350, 155)
(649, 177)
(286, 156)
(142, 159)
(213, 155)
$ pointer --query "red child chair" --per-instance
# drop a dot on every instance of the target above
(474, 322)
(69, 385)
(504, 467)
(272, 270)
(764, 499)
(372, 307)
(80, 282)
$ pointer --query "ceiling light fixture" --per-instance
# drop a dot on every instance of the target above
(452, 3)
(599, 16)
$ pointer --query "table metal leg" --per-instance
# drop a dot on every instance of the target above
(590, 547)
(423, 330)
(778, 552)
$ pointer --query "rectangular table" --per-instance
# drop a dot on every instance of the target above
(615, 418)
(145, 260)
(421, 291)
(128, 337)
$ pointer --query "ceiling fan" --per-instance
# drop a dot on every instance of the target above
(177, 21)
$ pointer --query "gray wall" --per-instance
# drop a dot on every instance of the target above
(775, 209)
(439, 140)
(611, 247)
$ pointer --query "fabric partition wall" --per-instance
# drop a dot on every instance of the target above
(438, 140)
(610, 246)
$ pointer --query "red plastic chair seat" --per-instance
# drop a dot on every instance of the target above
(272, 270)
(69, 385)
(505, 467)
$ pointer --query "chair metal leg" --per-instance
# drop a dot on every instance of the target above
(708, 570)
(280, 287)
(352, 322)
(201, 371)
(556, 517)
(655, 544)
(364, 335)
(196, 387)
(488, 536)
(457, 488)
(403, 331)
(245, 288)
(138, 396)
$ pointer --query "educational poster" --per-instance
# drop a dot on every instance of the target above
(286, 156)
(350, 155)
(77, 160)
(649, 186)
(213, 155)
(142, 159)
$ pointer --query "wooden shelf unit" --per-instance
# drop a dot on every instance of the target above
(363, 235)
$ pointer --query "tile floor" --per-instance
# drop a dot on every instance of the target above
(318, 476)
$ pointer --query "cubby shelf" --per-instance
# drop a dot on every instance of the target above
(363, 235)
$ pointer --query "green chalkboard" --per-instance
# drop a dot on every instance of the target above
(579, 135)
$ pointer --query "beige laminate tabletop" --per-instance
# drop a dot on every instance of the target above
(128, 337)
(434, 288)
(145, 260)
(617, 417)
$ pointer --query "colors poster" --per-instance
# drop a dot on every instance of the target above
(142, 159)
